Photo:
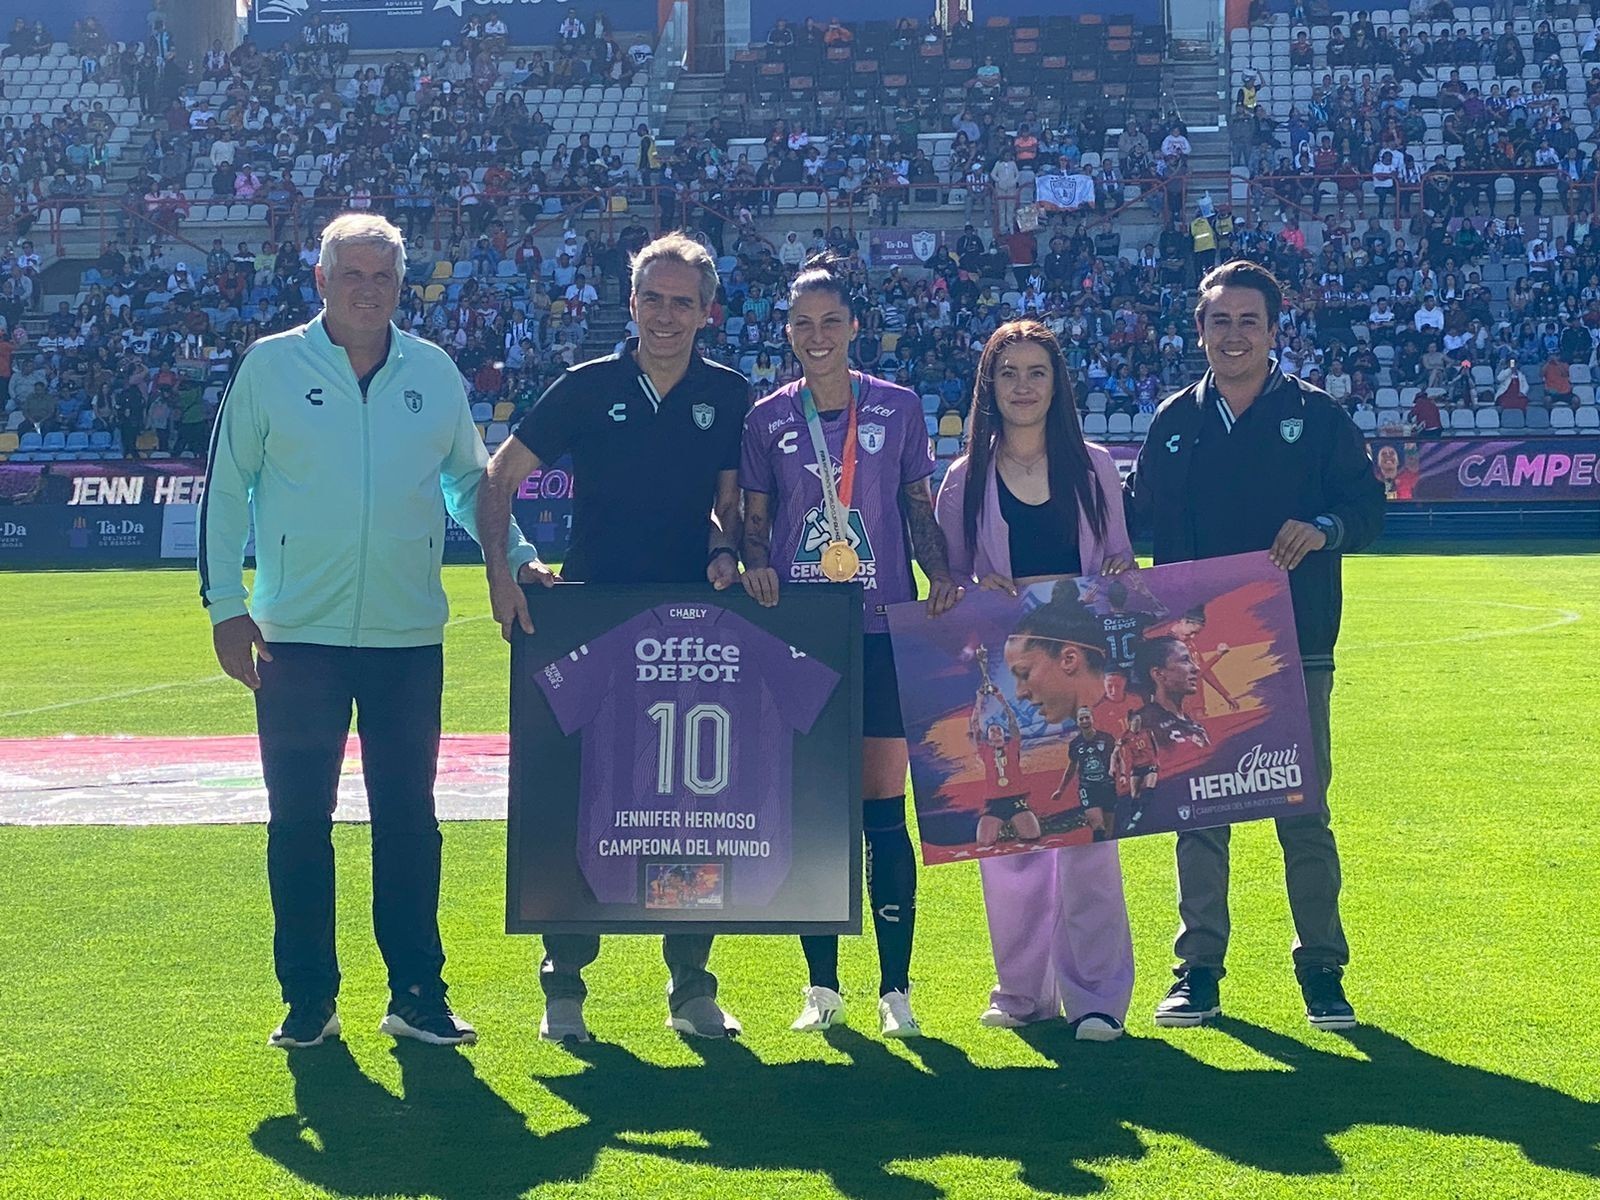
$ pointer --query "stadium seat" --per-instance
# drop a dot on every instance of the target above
(1097, 402)
(1119, 425)
(77, 440)
(498, 432)
(503, 410)
(54, 441)
(947, 447)
(1513, 418)
(1587, 418)
(1366, 420)
(1538, 417)
(10, 441)
(933, 427)
(482, 412)
(1094, 425)
(1562, 420)
(950, 425)
(1461, 421)
(1487, 420)
(146, 442)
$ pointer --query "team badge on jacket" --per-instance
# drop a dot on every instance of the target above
(703, 415)
(413, 400)
(1291, 429)
(871, 437)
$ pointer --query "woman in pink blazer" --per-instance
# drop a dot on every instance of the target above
(1031, 499)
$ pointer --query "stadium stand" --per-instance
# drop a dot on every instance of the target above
(159, 219)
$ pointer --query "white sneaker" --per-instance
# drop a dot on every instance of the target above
(704, 1017)
(997, 1018)
(894, 1014)
(563, 1021)
(823, 1008)
(1097, 1027)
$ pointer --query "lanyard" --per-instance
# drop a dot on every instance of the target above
(836, 500)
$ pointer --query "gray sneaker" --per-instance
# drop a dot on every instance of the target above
(704, 1017)
(563, 1021)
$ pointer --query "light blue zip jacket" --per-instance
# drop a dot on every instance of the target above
(349, 491)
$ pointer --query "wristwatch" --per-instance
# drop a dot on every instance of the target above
(728, 550)
(1329, 528)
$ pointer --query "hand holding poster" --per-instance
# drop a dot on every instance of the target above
(1105, 707)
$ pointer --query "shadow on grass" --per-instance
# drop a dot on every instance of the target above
(861, 1123)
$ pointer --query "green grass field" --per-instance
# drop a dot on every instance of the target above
(136, 972)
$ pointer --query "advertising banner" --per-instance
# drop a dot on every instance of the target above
(680, 755)
(1105, 707)
(1550, 470)
(903, 247)
(398, 24)
(47, 498)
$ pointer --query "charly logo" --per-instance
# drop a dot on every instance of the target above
(1291, 429)
(1173, 443)
(703, 415)
(413, 400)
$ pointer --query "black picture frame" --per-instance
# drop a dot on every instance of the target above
(545, 888)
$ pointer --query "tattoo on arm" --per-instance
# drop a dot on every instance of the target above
(927, 539)
(725, 519)
(757, 542)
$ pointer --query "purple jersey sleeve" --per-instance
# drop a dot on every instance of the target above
(576, 683)
(916, 452)
(799, 684)
(756, 470)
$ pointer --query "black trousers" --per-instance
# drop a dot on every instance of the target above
(303, 717)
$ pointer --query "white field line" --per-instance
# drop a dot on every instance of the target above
(159, 687)
(1560, 617)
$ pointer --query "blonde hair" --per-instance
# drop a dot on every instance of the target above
(362, 228)
(679, 248)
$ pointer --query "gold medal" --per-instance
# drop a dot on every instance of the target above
(839, 562)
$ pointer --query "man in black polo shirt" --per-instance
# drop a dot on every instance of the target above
(1251, 459)
(654, 433)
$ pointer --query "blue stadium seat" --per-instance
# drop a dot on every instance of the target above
(482, 412)
(77, 440)
(30, 441)
(100, 440)
(55, 441)
(933, 424)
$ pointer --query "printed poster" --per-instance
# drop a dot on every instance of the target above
(1102, 707)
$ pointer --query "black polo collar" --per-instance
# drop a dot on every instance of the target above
(1279, 388)
(629, 356)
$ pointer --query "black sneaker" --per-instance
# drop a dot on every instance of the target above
(1326, 1006)
(424, 1014)
(306, 1025)
(1193, 1000)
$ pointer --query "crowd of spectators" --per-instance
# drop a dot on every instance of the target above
(141, 354)
(1447, 279)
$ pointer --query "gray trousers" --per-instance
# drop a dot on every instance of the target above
(686, 955)
(1311, 869)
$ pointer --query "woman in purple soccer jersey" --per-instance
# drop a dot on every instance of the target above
(1029, 500)
(834, 471)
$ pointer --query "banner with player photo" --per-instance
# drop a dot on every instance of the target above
(1105, 707)
(684, 756)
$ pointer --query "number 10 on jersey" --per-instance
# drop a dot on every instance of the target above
(697, 740)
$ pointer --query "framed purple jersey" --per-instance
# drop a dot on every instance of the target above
(892, 450)
(670, 761)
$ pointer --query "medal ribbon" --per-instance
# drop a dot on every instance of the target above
(836, 501)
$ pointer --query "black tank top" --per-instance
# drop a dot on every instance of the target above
(1039, 545)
